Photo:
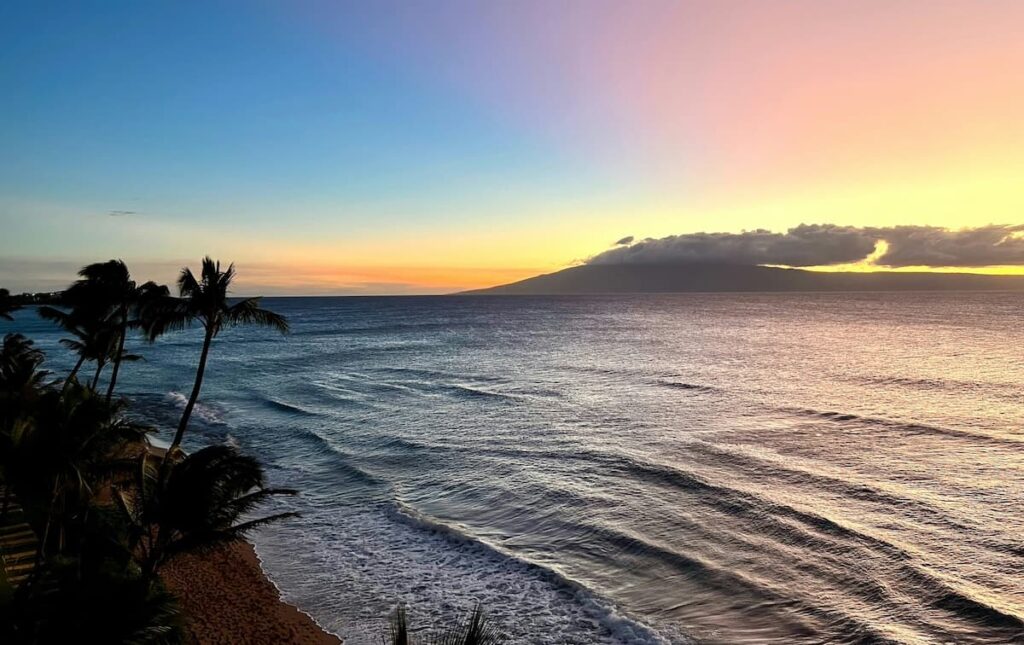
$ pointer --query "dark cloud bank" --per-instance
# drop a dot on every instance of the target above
(827, 244)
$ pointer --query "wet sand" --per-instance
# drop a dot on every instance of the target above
(226, 599)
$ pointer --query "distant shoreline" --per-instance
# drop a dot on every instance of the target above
(596, 279)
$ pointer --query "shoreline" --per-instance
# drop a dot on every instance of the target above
(280, 595)
(227, 597)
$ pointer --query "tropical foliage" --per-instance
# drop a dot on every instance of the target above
(103, 509)
(7, 305)
(205, 300)
(200, 504)
(475, 629)
(101, 308)
(77, 472)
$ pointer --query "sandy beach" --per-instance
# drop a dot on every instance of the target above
(227, 599)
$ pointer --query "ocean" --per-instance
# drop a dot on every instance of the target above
(729, 469)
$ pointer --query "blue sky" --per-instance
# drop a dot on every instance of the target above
(354, 147)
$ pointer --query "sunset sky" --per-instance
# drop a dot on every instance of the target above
(423, 147)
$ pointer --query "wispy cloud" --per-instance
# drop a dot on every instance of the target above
(120, 213)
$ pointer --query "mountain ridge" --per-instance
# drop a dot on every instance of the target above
(720, 277)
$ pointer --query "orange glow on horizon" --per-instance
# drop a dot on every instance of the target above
(317, 279)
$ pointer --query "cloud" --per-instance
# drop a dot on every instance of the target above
(969, 247)
(805, 245)
(626, 241)
(829, 244)
(121, 213)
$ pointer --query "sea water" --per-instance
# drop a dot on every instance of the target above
(776, 468)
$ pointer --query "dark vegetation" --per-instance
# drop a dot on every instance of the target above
(90, 510)
(472, 630)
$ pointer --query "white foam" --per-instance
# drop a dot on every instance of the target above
(206, 413)
(355, 564)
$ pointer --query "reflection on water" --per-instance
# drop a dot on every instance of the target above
(729, 469)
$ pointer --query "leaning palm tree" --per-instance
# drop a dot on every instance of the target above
(205, 299)
(92, 339)
(7, 305)
(105, 295)
(197, 506)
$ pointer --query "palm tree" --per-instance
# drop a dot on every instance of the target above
(474, 630)
(75, 445)
(21, 384)
(21, 380)
(197, 505)
(19, 363)
(205, 299)
(7, 305)
(107, 296)
(104, 606)
(92, 339)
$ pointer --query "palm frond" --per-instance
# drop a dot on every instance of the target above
(248, 312)
(476, 630)
(53, 314)
(7, 305)
(245, 503)
(211, 274)
(163, 314)
(224, 280)
(74, 345)
(473, 630)
(187, 283)
(111, 271)
(245, 527)
(200, 500)
(398, 628)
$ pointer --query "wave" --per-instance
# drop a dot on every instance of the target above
(915, 383)
(913, 428)
(993, 388)
(848, 620)
(767, 514)
(460, 390)
(204, 412)
(753, 592)
(623, 628)
(433, 374)
(289, 408)
(343, 395)
(324, 447)
(686, 386)
(753, 506)
(803, 476)
(945, 595)
(475, 392)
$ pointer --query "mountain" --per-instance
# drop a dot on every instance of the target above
(678, 278)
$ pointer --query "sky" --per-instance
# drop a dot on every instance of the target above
(331, 147)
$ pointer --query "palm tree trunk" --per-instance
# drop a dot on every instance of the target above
(183, 424)
(96, 377)
(117, 356)
(153, 559)
(74, 372)
(41, 549)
